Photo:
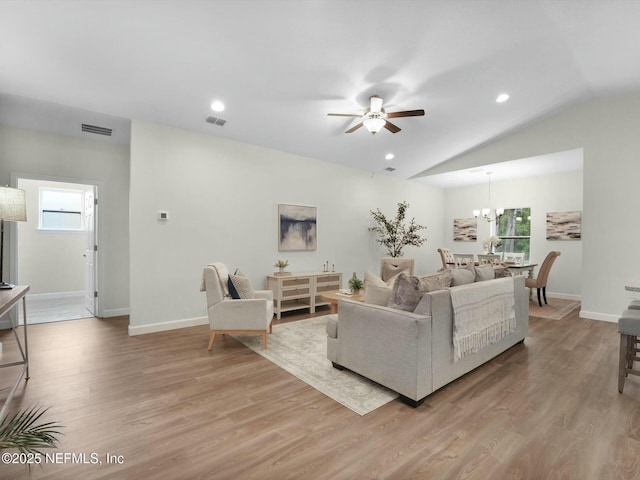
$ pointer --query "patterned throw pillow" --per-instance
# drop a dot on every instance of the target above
(240, 287)
(436, 281)
(406, 293)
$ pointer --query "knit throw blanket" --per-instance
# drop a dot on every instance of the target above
(483, 313)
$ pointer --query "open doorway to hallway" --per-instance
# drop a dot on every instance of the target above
(56, 250)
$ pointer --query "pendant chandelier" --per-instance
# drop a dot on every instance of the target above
(489, 214)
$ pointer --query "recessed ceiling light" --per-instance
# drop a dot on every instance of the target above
(217, 106)
(389, 156)
(503, 97)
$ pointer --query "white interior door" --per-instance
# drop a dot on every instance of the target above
(90, 251)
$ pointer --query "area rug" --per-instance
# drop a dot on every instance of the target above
(556, 309)
(300, 348)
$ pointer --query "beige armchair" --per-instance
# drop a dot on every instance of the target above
(392, 266)
(235, 316)
(540, 282)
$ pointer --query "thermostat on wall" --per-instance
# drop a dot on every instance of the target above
(162, 215)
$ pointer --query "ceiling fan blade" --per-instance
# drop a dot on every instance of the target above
(345, 114)
(354, 128)
(375, 104)
(391, 127)
(408, 113)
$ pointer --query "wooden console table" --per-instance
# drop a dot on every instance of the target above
(301, 290)
(9, 298)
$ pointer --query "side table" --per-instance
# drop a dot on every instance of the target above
(9, 298)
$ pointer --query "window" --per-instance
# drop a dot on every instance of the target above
(514, 229)
(61, 209)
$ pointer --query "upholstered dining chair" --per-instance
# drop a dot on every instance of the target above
(446, 256)
(235, 316)
(392, 266)
(540, 282)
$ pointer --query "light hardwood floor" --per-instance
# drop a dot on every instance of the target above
(548, 409)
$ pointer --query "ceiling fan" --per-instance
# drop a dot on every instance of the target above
(375, 117)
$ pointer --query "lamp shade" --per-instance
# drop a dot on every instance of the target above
(374, 124)
(12, 205)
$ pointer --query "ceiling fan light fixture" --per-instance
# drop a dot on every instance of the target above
(374, 124)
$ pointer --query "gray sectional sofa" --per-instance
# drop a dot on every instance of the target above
(412, 353)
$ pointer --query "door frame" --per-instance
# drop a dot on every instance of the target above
(13, 237)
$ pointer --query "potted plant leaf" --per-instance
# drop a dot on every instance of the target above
(355, 284)
(22, 432)
(395, 234)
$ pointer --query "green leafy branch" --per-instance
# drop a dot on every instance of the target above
(394, 234)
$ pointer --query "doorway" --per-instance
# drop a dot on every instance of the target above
(56, 249)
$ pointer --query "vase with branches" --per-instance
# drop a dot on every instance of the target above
(395, 234)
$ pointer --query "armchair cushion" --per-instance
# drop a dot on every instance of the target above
(240, 287)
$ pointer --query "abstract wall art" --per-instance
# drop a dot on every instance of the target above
(564, 225)
(297, 228)
(465, 229)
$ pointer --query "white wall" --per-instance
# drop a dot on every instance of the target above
(549, 193)
(222, 197)
(32, 154)
(607, 130)
(49, 262)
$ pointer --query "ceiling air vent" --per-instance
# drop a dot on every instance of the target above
(216, 121)
(390, 169)
(97, 130)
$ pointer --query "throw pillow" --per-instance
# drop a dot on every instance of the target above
(240, 287)
(462, 276)
(406, 293)
(485, 272)
(436, 281)
(377, 291)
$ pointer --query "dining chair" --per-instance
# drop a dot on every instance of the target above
(540, 282)
(446, 255)
(514, 258)
(488, 258)
(463, 259)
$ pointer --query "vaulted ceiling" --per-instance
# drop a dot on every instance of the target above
(281, 65)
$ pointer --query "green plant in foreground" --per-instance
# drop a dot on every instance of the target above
(21, 431)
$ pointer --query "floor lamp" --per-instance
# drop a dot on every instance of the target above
(12, 208)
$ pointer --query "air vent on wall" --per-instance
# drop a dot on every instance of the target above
(389, 169)
(97, 130)
(216, 121)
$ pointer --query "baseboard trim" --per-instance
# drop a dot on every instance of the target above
(604, 317)
(53, 296)
(564, 296)
(163, 327)
(115, 312)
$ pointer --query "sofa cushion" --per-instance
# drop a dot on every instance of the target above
(462, 276)
(240, 287)
(436, 281)
(484, 272)
(502, 272)
(406, 293)
(376, 290)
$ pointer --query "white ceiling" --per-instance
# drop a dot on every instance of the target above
(281, 65)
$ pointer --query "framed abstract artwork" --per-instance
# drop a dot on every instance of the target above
(465, 229)
(297, 228)
(564, 225)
